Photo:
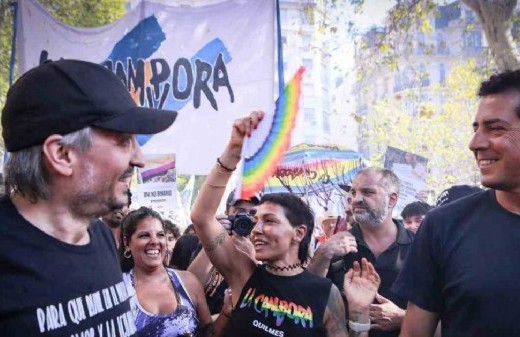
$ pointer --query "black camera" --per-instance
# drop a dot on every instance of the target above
(242, 223)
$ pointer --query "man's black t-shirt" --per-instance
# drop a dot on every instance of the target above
(51, 288)
(464, 265)
(388, 265)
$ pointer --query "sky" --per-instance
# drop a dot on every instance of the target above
(373, 14)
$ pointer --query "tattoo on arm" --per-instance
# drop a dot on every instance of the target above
(336, 324)
(355, 316)
(219, 239)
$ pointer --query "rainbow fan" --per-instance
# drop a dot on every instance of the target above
(261, 165)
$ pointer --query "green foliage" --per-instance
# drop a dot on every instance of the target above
(6, 32)
(425, 26)
(309, 13)
(182, 181)
(439, 131)
(383, 45)
(86, 13)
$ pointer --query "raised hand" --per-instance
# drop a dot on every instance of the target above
(361, 284)
(242, 128)
(340, 244)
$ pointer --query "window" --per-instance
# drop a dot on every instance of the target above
(421, 43)
(308, 115)
(442, 73)
(324, 77)
(470, 16)
(397, 82)
(472, 39)
(306, 41)
(325, 99)
(442, 47)
(307, 14)
(424, 75)
(307, 63)
(407, 78)
(477, 38)
(326, 122)
(308, 90)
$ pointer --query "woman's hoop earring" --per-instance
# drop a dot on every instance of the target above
(127, 254)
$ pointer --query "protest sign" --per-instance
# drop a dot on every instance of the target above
(411, 170)
(156, 185)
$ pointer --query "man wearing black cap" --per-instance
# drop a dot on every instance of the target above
(234, 206)
(70, 129)
(454, 193)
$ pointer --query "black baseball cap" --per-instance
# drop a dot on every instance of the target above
(455, 192)
(231, 201)
(64, 96)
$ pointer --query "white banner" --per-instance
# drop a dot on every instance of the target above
(213, 64)
(155, 185)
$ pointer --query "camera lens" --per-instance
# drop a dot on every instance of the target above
(242, 224)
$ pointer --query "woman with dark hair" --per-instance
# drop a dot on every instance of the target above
(183, 251)
(190, 230)
(279, 297)
(164, 302)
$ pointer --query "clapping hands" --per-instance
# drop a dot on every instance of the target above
(361, 284)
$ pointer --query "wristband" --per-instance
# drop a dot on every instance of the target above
(219, 163)
(359, 327)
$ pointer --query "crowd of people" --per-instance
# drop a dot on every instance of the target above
(78, 261)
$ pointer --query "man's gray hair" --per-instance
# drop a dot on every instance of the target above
(389, 179)
(25, 173)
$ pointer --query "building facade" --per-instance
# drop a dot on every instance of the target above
(424, 59)
(305, 42)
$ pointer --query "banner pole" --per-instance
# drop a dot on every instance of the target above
(281, 84)
(14, 6)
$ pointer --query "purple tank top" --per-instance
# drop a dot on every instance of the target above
(181, 322)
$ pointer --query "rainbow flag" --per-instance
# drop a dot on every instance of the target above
(262, 164)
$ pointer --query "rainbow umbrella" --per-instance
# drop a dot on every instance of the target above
(313, 169)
